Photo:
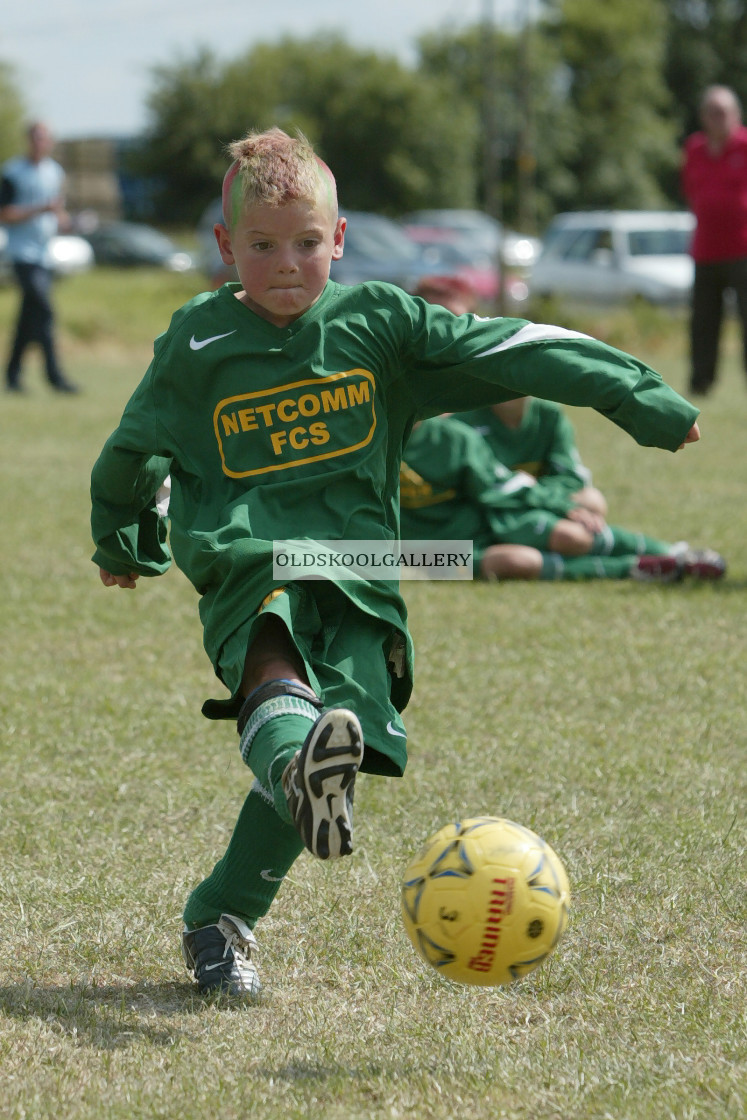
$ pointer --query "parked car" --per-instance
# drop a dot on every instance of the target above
(445, 256)
(611, 256)
(129, 244)
(476, 231)
(377, 248)
(69, 254)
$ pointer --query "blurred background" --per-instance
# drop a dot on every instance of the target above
(463, 136)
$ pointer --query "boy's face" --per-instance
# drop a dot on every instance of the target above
(511, 411)
(282, 255)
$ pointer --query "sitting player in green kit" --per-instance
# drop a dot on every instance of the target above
(537, 437)
(525, 434)
(279, 406)
(452, 487)
(526, 494)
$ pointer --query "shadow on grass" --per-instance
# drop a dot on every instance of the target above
(727, 585)
(109, 1016)
(688, 586)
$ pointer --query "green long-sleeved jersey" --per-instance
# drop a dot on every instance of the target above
(271, 433)
(452, 487)
(543, 444)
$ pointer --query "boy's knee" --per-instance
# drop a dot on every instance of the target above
(511, 561)
(570, 539)
(272, 655)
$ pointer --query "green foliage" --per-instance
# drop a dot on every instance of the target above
(706, 40)
(394, 139)
(181, 150)
(516, 85)
(624, 140)
(577, 104)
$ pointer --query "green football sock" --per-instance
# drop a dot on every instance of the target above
(265, 842)
(245, 881)
(273, 734)
(555, 566)
(613, 541)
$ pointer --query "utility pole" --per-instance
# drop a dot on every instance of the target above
(526, 162)
(490, 141)
(491, 153)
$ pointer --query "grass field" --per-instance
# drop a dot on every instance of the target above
(610, 717)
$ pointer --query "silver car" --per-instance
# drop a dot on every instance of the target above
(613, 256)
(68, 255)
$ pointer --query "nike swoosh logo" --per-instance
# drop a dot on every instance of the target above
(195, 345)
(270, 878)
(393, 731)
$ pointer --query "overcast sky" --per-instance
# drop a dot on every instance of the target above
(84, 65)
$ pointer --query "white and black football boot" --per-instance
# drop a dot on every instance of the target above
(319, 783)
(222, 958)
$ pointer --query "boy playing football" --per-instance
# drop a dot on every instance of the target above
(279, 406)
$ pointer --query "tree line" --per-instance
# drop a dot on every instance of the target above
(585, 106)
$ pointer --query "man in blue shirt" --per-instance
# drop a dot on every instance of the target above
(32, 209)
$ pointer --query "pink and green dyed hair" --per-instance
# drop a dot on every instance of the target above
(271, 168)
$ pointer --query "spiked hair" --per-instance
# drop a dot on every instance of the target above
(271, 168)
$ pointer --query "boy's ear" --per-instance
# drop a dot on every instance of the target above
(223, 237)
(339, 238)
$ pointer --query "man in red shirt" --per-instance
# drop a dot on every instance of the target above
(714, 182)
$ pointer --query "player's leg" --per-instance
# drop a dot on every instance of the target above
(547, 533)
(357, 660)
(559, 538)
(549, 566)
(365, 663)
(306, 760)
(281, 732)
(218, 944)
(510, 561)
(557, 567)
(617, 541)
(221, 912)
(570, 538)
(272, 655)
(613, 553)
(651, 558)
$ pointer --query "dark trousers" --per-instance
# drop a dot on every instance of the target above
(712, 281)
(35, 322)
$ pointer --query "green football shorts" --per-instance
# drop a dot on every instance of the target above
(352, 659)
(531, 527)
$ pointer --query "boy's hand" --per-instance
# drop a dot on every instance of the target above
(592, 522)
(692, 436)
(109, 580)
